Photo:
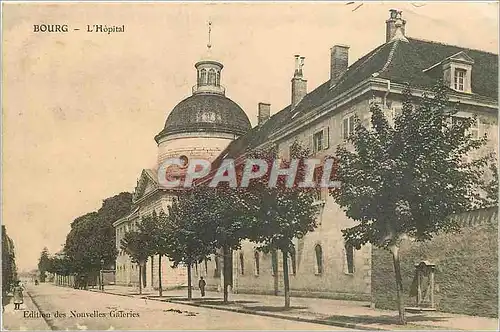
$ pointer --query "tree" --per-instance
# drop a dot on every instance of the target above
(112, 209)
(43, 263)
(186, 239)
(280, 213)
(405, 180)
(92, 236)
(152, 227)
(491, 186)
(136, 245)
(223, 215)
(9, 274)
(83, 244)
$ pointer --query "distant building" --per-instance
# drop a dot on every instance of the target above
(322, 264)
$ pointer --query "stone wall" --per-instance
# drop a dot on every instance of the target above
(466, 267)
(334, 281)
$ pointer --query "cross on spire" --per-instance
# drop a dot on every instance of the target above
(209, 45)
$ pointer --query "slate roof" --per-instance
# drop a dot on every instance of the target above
(206, 112)
(398, 61)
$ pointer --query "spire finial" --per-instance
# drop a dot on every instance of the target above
(209, 45)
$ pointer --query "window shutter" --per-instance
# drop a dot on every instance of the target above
(326, 138)
(345, 128)
(352, 123)
(311, 143)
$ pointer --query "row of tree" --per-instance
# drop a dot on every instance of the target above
(90, 244)
(9, 269)
(202, 221)
(399, 179)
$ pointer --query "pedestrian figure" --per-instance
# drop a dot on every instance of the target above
(201, 285)
(18, 295)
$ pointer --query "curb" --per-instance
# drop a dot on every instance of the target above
(291, 318)
(47, 320)
(258, 313)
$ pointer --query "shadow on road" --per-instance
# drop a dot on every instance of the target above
(273, 308)
(385, 319)
(221, 302)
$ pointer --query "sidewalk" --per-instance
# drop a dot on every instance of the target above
(348, 314)
(15, 320)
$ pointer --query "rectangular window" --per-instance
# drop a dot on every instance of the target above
(473, 129)
(318, 192)
(348, 124)
(318, 141)
(394, 112)
(459, 79)
(286, 151)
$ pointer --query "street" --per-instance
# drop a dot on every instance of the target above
(71, 309)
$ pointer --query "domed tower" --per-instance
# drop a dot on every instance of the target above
(202, 125)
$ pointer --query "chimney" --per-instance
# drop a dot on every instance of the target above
(264, 113)
(339, 62)
(393, 24)
(299, 84)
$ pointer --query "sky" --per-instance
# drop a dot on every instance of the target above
(80, 110)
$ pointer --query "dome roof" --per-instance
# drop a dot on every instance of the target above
(206, 112)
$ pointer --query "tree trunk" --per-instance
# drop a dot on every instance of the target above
(274, 262)
(226, 273)
(286, 281)
(399, 284)
(152, 269)
(190, 291)
(160, 291)
(140, 278)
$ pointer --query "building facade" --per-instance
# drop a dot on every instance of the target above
(200, 126)
(323, 118)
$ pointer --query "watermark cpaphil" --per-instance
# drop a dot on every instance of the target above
(295, 173)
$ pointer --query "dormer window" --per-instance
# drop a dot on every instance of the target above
(456, 70)
(459, 79)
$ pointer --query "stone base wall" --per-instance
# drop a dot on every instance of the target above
(466, 277)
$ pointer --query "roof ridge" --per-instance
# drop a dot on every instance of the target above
(390, 56)
(367, 58)
(453, 45)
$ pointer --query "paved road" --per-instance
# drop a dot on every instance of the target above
(72, 305)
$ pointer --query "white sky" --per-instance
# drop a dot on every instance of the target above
(80, 110)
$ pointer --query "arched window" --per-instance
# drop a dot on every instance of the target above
(293, 261)
(211, 77)
(203, 77)
(349, 256)
(274, 262)
(217, 80)
(319, 259)
(257, 262)
(217, 268)
(242, 264)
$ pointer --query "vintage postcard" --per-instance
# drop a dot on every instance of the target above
(250, 165)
